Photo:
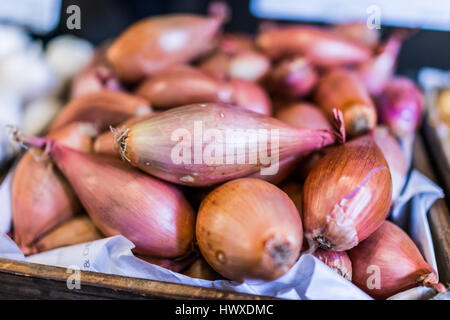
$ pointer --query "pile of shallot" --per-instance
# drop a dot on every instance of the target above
(229, 156)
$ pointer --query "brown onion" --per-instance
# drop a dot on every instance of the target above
(77, 230)
(336, 260)
(152, 214)
(342, 89)
(347, 195)
(293, 78)
(40, 196)
(304, 115)
(102, 109)
(249, 229)
(389, 262)
(394, 156)
(183, 85)
(153, 144)
(154, 44)
(322, 47)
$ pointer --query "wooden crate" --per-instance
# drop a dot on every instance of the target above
(33, 281)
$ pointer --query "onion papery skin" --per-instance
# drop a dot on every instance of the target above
(347, 195)
(392, 256)
(339, 261)
(149, 144)
(394, 156)
(154, 44)
(322, 47)
(102, 109)
(152, 214)
(41, 198)
(342, 89)
(249, 229)
(77, 230)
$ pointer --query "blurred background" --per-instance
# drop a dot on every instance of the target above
(104, 19)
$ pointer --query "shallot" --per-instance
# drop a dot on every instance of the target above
(292, 78)
(77, 230)
(152, 214)
(304, 115)
(249, 229)
(248, 65)
(394, 156)
(401, 106)
(40, 197)
(389, 262)
(154, 44)
(102, 109)
(343, 90)
(322, 47)
(347, 195)
(205, 144)
(181, 85)
(336, 260)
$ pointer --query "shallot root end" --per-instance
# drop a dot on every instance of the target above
(323, 242)
(279, 250)
(121, 142)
